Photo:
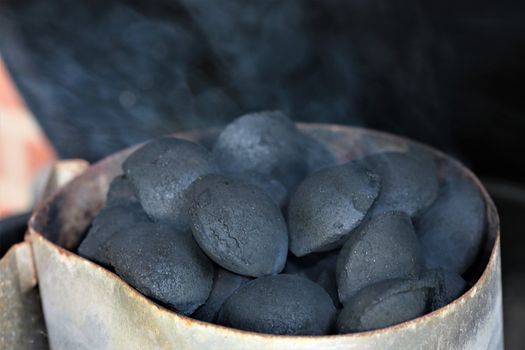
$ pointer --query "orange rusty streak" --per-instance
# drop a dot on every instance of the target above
(24, 149)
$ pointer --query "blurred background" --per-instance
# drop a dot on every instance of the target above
(82, 79)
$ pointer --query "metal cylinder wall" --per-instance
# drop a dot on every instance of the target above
(87, 306)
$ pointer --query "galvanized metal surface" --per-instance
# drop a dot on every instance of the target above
(89, 307)
(21, 320)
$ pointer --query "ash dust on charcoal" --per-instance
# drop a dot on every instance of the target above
(352, 247)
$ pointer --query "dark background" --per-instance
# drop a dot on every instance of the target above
(100, 76)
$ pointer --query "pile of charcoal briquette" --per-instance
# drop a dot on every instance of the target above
(267, 233)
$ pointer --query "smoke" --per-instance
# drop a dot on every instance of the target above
(112, 74)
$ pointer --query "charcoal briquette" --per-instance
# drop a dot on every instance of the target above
(161, 172)
(277, 191)
(448, 286)
(295, 265)
(328, 205)
(266, 143)
(238, 226)
(109, 221)
(453, 286)
(162, 263)
(328, 281)
(384, 304)
(224, 284)
(409, 182)
(282, 304)
(385, 247)
(319, 268)
(120, 192)
(451, 230)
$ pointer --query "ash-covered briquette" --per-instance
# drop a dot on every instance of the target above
(162, 263)
(451, 230)
(328, 205)
(224, 284)
(264, 142)
(386, 247)
(276, 190)
(448, 286)
(108, 222)
(385, 304)
(161, 172)
(120, 192)
(282, 304)
(409, 182)
(238, 226)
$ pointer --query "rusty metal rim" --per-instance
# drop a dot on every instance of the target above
(441, 312)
